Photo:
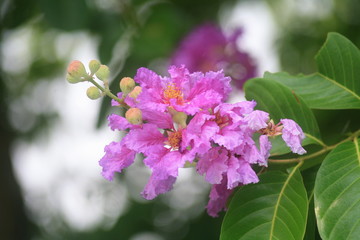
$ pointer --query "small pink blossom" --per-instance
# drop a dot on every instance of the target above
(182, 91)
(293, 136)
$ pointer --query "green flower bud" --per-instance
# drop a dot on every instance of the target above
(94, 66)
(93, 93)
(127, 85)
(71, 79)
(103, 73)
(77, 71)
(178, 117)
(135, 92)
(134, 116)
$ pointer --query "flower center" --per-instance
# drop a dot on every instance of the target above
(174, 139)
(221, 121)
(173, 92)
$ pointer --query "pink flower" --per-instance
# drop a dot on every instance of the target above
(207, 48)
(182, 91)
(293, 135)
(163, 155)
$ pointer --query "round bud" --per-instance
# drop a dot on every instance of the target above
(127, 85)
(178, 117)
(76, 69)
(93, 93)
(134, 116)
(94, 66)
(135, 92)
(71, 79)
(103, 73)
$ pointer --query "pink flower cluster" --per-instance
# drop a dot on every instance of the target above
(184, 119)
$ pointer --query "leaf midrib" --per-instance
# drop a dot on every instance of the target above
(340, 85)
(281, 194)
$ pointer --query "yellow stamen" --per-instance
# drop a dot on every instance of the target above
(173, 92)
(175, 139)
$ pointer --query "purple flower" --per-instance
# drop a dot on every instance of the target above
(292, 134)
(183, 118)
(182, 91)
(163, 155)
(206, 48)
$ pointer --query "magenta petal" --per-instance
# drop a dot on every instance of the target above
(147, 78)
(265, 147)
(117, 157)
(156, 186)
(233, 175)
(247, 174)
(159, 118)
(164, 173)
(146, 140)
(213, 165)
(293, 135)
(117, 122)
(228, 138)
(257, 120)
(219, 195)
(199, 132)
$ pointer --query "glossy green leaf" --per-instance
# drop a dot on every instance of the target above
(274, 208)
(339, 59)
(318, 91)
(309, 176)
(281, 102)
(337, 193)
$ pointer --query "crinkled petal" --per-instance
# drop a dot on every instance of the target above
(232, 173)
(147, 78)
(213, 165)
(265, 147)
(247, 174)
(180, 76)
(293, 135)
(211, 81)
(165, 170)
(228, 138)
(117, 122)
(156, 186)
(159, 118)
(257, 120)
(198, 133)
(147, 139)
(165, 163)
(117, 157)
(219, 195)
(151, 99)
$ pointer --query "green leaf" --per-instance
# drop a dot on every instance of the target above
(339, 59)
(318, 91)
(275, 208)
(337, 193)
(309, 176)
(280, 102)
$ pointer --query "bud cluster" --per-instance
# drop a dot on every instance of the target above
(76, 73)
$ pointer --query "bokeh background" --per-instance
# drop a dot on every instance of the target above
(52, 135)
